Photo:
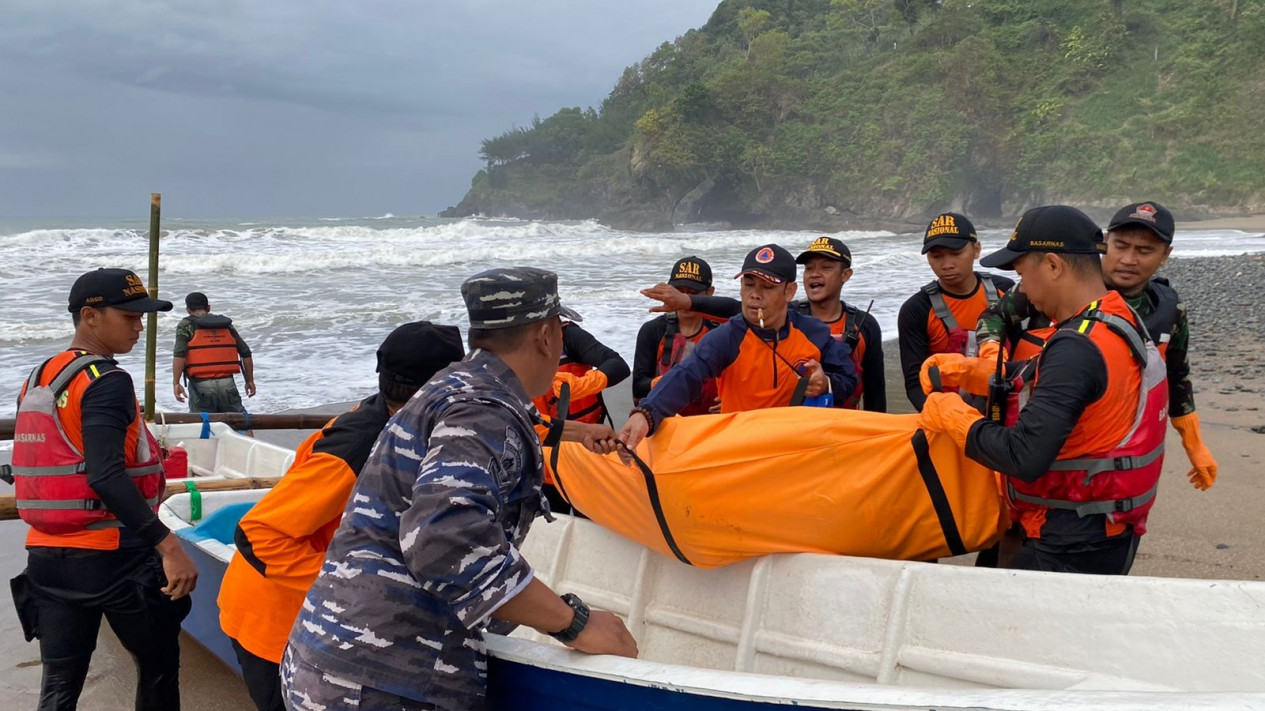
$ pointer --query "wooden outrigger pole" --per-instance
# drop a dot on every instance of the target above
(151, 326)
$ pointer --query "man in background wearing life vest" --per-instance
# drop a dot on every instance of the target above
(770, 355)
(1083, 462)
(827, 267)
(941, 317)
(1139, 241)
(208, 353)
(665, 341)
(281, 541)
(88, 480)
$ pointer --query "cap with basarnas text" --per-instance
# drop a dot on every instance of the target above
(949, 230)
(414, 352)
(1052, 228)
(771, 263)
(827, 247)
(1151, 215)
(691, 273)
(120, 288)
(513, 296)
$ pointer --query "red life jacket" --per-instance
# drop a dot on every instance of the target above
(212, 349)
(1122, 481)
(50, 480)
(673, 349)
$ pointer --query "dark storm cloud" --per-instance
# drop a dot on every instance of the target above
(292, 107)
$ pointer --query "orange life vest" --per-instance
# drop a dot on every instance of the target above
(49, 471)
(212, 349)
(1111, 461)
(945, 334)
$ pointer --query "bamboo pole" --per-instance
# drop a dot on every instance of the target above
(151, 337)
(9, 509)
(236, 420)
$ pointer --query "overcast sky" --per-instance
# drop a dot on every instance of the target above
(291, 107)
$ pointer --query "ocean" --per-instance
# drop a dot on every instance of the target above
(315, 296)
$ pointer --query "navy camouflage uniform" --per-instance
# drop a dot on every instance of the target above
(428, 546)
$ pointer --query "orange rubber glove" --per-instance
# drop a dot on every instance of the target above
(1204, 468)
(946, 412)
(988, 351)
(958, 371)
(591, 383)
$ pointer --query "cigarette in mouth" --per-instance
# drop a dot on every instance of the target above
(760, 313)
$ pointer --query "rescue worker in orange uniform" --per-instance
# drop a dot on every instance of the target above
(208, 353)
(941, 317)
(1139, 242)
(88, 480)
(769, 355)
(1083, 461)
(827, 267)
(665, 341)
(588, 367)
(281, 541)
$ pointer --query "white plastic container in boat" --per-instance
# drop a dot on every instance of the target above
(216, 451)
(833, 632)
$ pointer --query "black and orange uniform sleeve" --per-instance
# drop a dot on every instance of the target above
(579, 346)
(754, 369)
(108, 408)
(922, 332)
(873, 377)
(646, 358)
(281, 541)
(717, 307)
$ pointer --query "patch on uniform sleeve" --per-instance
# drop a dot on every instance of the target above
(507, 468)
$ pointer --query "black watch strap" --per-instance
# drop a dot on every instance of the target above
(578, 622)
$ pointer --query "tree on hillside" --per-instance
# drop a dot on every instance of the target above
(752, 22)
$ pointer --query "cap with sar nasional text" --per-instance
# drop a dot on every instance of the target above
(513, 296)
(120, 288)
(1151, 215)
(827, 247)
(949, 230)
(691, 273)
(1051, 228)
(414, 352)
(771, 263)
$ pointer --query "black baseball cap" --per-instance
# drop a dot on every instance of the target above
(950, 230)
(513, 296)
(827, 247)
(1151, 215)
(1052, 228)
(197, 301)
(414, 352)
(771, 263)
(691, 273)
(120, 288)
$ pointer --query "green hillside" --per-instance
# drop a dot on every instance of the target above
(825, 113)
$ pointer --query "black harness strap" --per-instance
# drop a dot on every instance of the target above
(653, 490)
(939, 500)
(564, 404)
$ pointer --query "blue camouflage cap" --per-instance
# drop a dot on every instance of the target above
(513, 296)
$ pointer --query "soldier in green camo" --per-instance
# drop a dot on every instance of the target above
(1139, 241)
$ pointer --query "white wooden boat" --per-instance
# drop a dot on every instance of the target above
(833, 632)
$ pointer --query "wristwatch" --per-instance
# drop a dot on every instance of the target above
(578, 622)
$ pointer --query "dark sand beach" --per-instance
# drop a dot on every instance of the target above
(1191, 534)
